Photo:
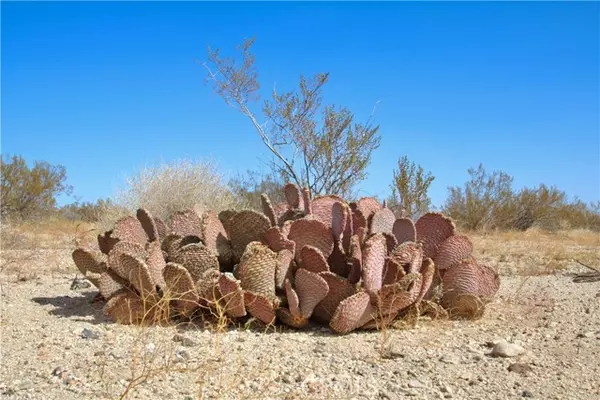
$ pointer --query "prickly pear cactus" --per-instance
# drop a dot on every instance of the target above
(308, 260)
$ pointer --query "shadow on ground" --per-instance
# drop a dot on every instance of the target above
(76, 307)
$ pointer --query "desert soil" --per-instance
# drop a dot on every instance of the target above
(57, 344)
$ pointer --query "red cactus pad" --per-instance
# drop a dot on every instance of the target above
(284, 262)
(259, 307)
(197, 259)
(292, 195)
(88, 260)
(408, 254)
(383, 221)
(313, 233)
(136, 271)
(215, 237)
(148, 224)
(432, 229)
(156, 263)
(400, 295)
(339, 218)
(311, 289)
(339, 289)
(323, 208)
(129, 229)
(268, 209)
(292, 298)
(393, 271)
(374, 255)
(244, 227)
(180, 289)
(110, 283)
(257, 269)
(186, 223)
(452, 251)
(232, 296)
(427, 273)
(472, 278)
(162, 229)
(313, 260)
(126, 308)
(352, 313)
(404, 230)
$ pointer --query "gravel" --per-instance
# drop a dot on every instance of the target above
(56, 344)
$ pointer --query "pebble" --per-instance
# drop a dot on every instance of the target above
(184, 340)
(80, 283)
(520, 368)
(415, 384)
(526, 393)
(89, 334)
(506, 349)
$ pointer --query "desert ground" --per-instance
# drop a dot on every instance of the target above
(56, 343)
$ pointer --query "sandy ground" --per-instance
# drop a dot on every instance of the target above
(56, 344)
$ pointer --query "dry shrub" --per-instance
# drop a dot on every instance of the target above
(169, 187)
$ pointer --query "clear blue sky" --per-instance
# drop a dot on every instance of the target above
(105, 88)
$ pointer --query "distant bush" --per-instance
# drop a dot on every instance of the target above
(170, 187)
(85, 211)
(27, 192)
(249, 188)
(488, 201)
(409, 189)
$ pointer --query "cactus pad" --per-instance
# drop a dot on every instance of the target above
(148, 224)
(312, 259)
(352, 313)
(257, 270)
(244, 227)
(260, 307)
(312, 233)
(404, 230)
(311, 289)
(180, 289)
(453, 250)
(232, 296)
(432, 229)
(339, 289)
(373, 262)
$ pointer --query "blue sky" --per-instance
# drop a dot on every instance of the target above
(105, 88)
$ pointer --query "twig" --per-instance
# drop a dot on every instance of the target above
(587, 266)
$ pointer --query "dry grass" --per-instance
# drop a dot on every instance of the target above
(165, 188)
(537, 252)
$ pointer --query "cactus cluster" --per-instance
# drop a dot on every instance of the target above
(347, 265)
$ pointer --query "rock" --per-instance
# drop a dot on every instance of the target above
(520, 368)
(585, 335)
(89, 334)
(415, 384)
(181, 355)
(150, 347)
(184, 340)
(526, 393)
(80, 283)
(449, 359)
(505, 349)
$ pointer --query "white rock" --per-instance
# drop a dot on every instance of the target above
(506, 349)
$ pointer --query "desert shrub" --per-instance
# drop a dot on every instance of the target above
(488, 201)
(27, 192)
(249, 188)
(319, 146)
(409, 189)
(485, 202)
(85, 211)
(169, 187)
